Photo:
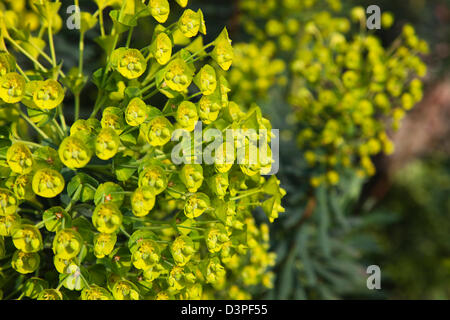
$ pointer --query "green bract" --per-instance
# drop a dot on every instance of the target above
(196, 205)
(27, 238)
(8, 202)
(178, 75)
(191, 23)
(154, 179)
(136, 112)
(67, 244)
(19, 158)
(107, 218)
(24, 262)
(48, 183)
(48, 94)
(12, 87)
(74, 152)
(107, 143)
(130, 63)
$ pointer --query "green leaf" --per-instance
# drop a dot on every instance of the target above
(122, 23)
(121, 167)
(88, 184)
(109, 191)
(84, 227)
(129, 139)
(41, 117)
(97, 77)
(324, 220)
(106, 43)
(132, 92)
(153, 113)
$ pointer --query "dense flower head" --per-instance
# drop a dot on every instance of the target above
(121, 217)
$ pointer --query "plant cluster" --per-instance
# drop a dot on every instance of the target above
(345, 88)
(98, 209)
(255, 70)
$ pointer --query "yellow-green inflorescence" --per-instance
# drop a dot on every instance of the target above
(346, 89)
(97, 205)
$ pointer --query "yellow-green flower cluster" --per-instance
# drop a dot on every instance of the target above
(255, 71)
(347, 90)
(99, 204)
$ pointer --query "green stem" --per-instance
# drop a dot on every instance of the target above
(100, 18)
(42, 53)
(84, 279)
(42, 223)
(25, 53)
(200, 51)
(29, 143)
(31, 123)
(98, 104)
(151, 85)
(52, 47)
(81, 55)
(125, 232)
(194, 95)
(246, 194)
(62, 119)
(151, 94)
(74, 199)
(60, 130)
(130, 33)
(77, 106)
(62, 282)
(193, 228)
(22, 72)
(176, 191)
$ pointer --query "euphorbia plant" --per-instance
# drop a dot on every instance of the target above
(95, 208)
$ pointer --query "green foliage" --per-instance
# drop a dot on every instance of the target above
(412, 242)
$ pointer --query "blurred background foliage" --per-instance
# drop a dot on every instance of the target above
(399, 219)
